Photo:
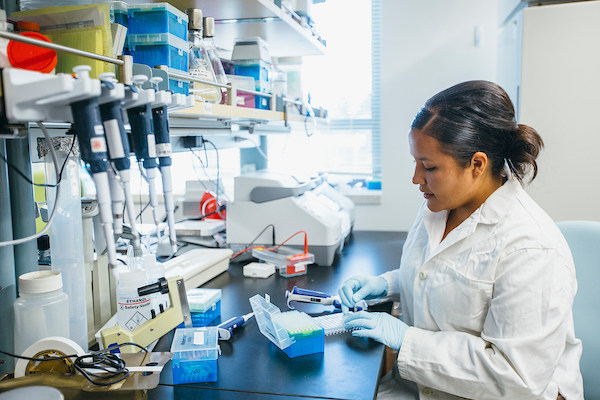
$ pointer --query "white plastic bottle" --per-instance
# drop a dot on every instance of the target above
(42, 309)
(132, 309)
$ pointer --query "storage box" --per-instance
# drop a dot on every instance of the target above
(179, 85)
(294, 332)
(158, 18)
(195, 354)
(205, 305)
(154, 49)
(119, 13)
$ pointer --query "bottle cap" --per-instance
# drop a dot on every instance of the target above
(209, 27)
(27, 56)
(28, 26)
(40, 282)
(195, 18)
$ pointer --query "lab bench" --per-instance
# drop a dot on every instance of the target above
(251, 367)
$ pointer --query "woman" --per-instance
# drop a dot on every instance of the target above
(486, 281)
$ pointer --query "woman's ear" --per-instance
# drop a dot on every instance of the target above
(479, 162)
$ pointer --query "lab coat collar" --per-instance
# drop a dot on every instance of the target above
(490, 212)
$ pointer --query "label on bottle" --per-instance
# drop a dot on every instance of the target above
(201, 73)
(133, 311)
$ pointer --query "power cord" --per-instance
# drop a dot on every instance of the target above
(114, 368)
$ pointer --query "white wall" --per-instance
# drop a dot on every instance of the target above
(428, 45)
(560, 88)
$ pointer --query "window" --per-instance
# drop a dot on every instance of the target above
(346, 82)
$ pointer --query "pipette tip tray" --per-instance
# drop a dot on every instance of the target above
(205, 305)
(294, 332)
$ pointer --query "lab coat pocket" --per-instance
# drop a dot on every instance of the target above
(457, 302)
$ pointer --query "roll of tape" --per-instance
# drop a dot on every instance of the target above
(54, 345)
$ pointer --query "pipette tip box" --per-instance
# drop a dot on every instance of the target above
(205, 305)
(195, 354)
(294, 332)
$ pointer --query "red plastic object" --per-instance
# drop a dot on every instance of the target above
(208, 205)
(27, 56)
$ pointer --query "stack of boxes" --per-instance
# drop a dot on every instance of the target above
(251, 58)
(156, 35)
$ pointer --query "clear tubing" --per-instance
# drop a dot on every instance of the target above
(118, 200)
(106, 219)
(66, 238)
(169, 205)
(125, 178)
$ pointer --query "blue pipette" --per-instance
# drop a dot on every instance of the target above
(314, 297)
(226, 328)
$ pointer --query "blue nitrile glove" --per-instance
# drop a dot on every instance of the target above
(378, 326)
(362, 287)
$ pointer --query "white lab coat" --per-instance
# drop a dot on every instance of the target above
(490, 306)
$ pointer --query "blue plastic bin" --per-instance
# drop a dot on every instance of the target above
(158, 18)
(158, 49)
(195, 354)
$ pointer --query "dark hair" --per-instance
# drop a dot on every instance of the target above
(479, 116)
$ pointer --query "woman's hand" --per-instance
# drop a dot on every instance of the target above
(362, 287)
(381, 327)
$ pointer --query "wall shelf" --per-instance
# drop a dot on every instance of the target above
(248, 18)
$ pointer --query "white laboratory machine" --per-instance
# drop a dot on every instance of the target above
(263, 197)
(339, 203)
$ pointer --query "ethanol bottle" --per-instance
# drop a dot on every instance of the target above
(155, 271)
(199, 62)
(42, 309)
(213, 55)
(132, 309)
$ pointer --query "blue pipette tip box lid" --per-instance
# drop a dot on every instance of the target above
(309, 339)
(195, 353)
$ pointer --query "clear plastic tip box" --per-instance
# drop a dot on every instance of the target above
(289, 261)
(294, 332)
(205, 305)
(195, 353)
(157, 18)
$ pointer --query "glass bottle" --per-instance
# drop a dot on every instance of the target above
(213, 55)
(199, 62)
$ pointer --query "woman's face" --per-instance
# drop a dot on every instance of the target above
(445, 184)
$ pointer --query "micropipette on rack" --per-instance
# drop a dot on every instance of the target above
(139, 113)
(163, 151)
(226, 328)
(87, 124)
(118, 153)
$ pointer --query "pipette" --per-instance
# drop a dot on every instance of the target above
(163, 151)
(139, 113)
(118, 152)
(314, 297)
(226, 328)
(87, 124)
